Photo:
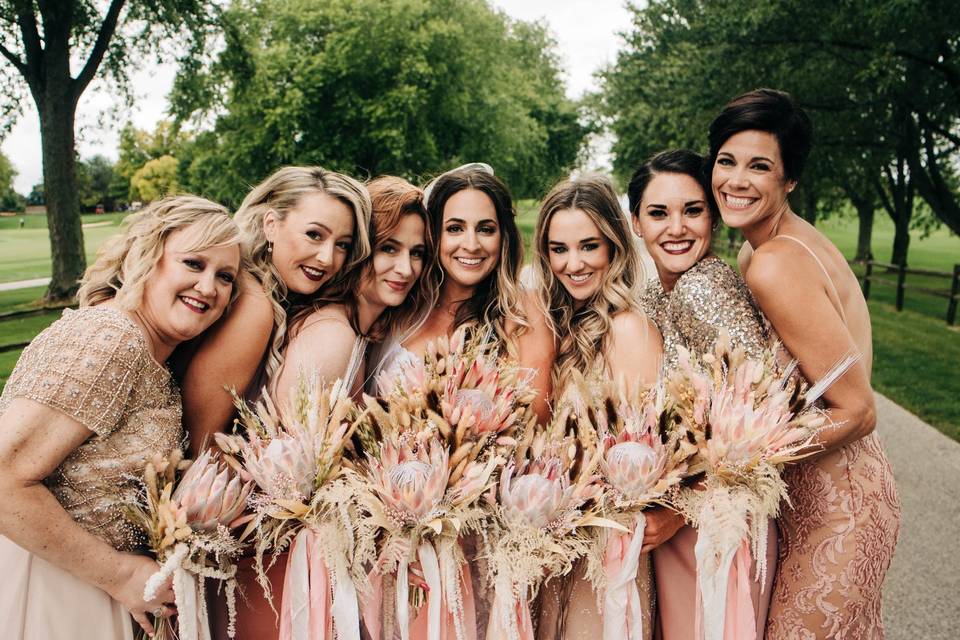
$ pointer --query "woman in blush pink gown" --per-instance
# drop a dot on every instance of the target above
(839, 534)
(694, 297)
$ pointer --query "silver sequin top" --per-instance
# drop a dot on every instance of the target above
(94, 365)
(707, 298)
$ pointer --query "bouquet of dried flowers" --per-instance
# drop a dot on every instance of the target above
(433, 443)
(748, 418)
(644, 456)
(303, 500)
(548, 495)
(187, 512)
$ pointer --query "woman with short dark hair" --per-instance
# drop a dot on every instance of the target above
(839, 534)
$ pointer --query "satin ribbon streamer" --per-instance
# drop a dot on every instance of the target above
(306, 610)
(734, 617)
(622, 614)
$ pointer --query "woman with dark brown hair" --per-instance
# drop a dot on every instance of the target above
(839, 533)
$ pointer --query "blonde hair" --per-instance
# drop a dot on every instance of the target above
(125, 261)
(497, 300)
(280, 193)
(583, 333)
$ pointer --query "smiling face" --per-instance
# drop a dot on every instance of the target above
(311, 243)
(396, 264)
(673, 219)
(749, 181)
(579, 253)
(188, 290)
(469, 238)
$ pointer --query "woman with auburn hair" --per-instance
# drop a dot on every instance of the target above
(590, 273)
(839, 533)
(86, 405)
(694, 298)
(306, 228)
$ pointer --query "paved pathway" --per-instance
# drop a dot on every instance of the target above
(23, 284)
(922, 591)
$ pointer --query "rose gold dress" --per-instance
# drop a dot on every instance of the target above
(708, 298)
(94, 366)
(837, 540)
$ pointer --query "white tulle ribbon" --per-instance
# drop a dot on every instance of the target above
(622, 615)
(192, 619)
(431, 575)
(713, 574)
(296, 590)
(403, 599)
(346, 606)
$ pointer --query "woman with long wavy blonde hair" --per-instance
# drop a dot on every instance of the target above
(306, 229)
(589, 274)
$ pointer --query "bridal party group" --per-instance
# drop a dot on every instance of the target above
(193, 308)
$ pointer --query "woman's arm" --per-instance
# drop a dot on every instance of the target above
(227, 358)
(537, 349)
(34, 441)
(792, 294)
(322, 346)
(634, 350)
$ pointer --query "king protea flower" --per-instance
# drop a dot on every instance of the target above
(210, 494)
(410, 479)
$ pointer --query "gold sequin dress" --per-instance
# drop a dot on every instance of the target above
(708, 298)
(94, 366)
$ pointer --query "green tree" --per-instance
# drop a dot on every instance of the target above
(155, 179)
(39, 39)
(94, 177)
(407, 87)
(10, 200)
(36, 195)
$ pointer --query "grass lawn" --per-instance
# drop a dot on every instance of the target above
(915, 352)
(25, 253)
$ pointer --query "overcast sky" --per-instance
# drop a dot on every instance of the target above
(585, 30)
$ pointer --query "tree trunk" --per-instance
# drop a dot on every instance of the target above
(60, 187)
(901, 240)
(865, 213)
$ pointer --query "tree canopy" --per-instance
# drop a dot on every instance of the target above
(407, 87)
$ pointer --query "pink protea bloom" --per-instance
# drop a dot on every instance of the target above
(536, 498)
(474, 398)
(634, 465)
(283, 467)
(210, 494)
(411, 483)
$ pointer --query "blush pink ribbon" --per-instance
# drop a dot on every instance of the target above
(622, 613)
(312, 600)
(739, 618)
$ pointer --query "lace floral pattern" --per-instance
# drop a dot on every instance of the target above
(836, 544)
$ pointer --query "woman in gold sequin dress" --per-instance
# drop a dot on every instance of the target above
(589, 271)
(87, 403)
(695, 296)
(839, 535)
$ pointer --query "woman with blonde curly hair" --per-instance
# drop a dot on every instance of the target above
(89, 400)
(589, 274)
(306, 229)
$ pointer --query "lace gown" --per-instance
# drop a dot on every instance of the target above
(94, 366)
(837, 540)
(708, 298)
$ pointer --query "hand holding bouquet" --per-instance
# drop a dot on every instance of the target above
(188, 518)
